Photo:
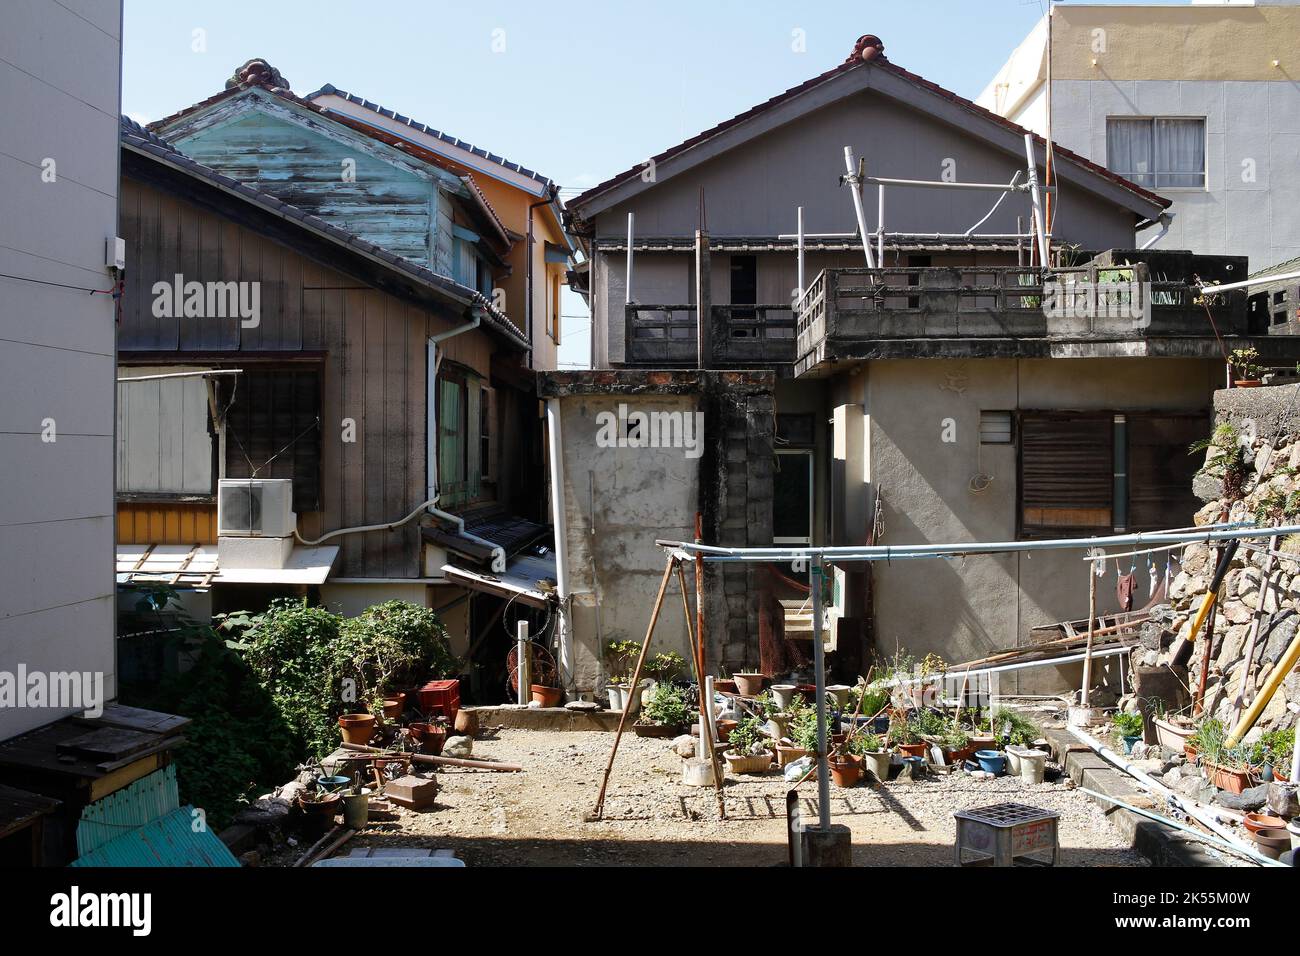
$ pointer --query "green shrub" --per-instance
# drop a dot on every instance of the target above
(1128, 725)
(1015, 728)
(667, 706)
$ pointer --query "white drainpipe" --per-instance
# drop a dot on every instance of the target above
(555, 446)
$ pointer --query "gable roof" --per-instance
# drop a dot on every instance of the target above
(329, 89)
(487, 211)
(867, 57)
(143, 143)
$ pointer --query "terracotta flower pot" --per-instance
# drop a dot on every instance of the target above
(912, 750)
(1272, 842)
(320, 813)
(1255, 822)
(431, 737)
(357, 728)
(1226, 778)
(1247, 383)
(393, 706)
(725, 727)
(846, 771)
(546, 696)
(749, 685)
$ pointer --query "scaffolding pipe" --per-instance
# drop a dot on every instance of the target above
(819, 676)
(854, 181)
(630, 223)
(1035, 198)
(916, 551)
(880, 225)
(988, 187)
(799, 237)
(1258, 280)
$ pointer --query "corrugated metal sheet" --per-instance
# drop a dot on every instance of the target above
(170, 840)
(131, 807)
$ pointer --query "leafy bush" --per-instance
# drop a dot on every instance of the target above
(317, 666)
(803, 729)
(1275, 747)
(747, 738)
(236, 745)
(667, 706)
(1015, 728)
(860, 744)
(1128, 725)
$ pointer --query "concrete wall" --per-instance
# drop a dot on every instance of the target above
(1211, 60)
(966, 609)
(618, 501)
(60, 95)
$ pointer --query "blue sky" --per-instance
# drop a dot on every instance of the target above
(575, 91)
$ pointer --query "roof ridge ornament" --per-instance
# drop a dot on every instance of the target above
(257, 72)
(867, 48)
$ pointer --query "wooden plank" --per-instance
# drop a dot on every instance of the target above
(136, 718)
(107, 743)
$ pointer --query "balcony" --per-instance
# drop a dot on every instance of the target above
(1006, 312)
(743, 336)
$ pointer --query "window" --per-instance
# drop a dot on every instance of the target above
(744, 285)
(792, 497)
(272, 420)
(1098, 472)
(487, 432)
(460, 446)
(165, 440)
(995, 428)
(1158, 152)
(553, 308)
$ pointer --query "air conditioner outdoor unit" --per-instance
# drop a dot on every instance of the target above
(255, 508)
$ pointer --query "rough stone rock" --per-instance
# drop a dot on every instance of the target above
(250, 858)
(1151, 767)
(1252, 799)
(1239, 611)
(265, 812)
(1140, 752)
(1172, 776)
(1189, 786)
(684, 746)
(460, 747)
(1249, 581)
(289, 792)
(1233, 641)
(1281, 631)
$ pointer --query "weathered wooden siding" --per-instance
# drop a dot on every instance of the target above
(353, 183)
(159, 522)
(163, 442)
(374, 348)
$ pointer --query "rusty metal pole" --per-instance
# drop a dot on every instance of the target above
(700, 657)
(636, 680)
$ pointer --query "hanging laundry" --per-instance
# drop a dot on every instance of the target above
(1124, 588)
(1154, 578)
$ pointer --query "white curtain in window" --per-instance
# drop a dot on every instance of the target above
(1180, 152)
(1129, 149)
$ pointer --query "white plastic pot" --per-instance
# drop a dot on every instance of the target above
(1293, 830)
(877, 764)
(783, 695)
(1033, 764)
(1013, 759)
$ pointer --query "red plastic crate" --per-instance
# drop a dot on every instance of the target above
(440, 698)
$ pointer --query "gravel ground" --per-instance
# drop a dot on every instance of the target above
(652, 819)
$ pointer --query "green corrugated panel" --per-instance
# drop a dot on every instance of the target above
(146, 799)
(170, 840)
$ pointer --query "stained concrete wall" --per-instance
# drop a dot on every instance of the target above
(619, 500)
(60, 97)
(967, 608)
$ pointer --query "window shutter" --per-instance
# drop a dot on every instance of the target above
(1161, 470)
(489, 433)
(1066, 473)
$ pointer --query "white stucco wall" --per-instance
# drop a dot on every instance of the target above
(59, 100)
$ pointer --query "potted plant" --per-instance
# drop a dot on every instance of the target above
(357, 728)
(319, 805)
(875, 754)
(749, 751)
(429, 736)
(622, 657)
(903, 735)
(1228, 768)
(394, 704)
(1129, 727)
(1172, 732)
(1246, 368)
(846, 767)
(749, 683)
(666, 714)
(803, 733)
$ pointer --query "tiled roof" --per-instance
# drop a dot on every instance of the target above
(329, 89)
(1291, 265)
(882, 63)
(396, 142)
(493, 319)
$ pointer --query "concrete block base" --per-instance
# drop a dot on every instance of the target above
(828, 848)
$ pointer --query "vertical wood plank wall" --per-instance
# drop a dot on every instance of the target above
(374, 367)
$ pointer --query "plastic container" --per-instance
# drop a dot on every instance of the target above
(1033, 765)
(1013, 760)
(783, 695)
(992, 761)
(441, 698)
(356, 810)
(1293, 831)
(877, 764)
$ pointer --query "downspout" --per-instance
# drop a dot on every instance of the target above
(563, 633)
(1165, 219)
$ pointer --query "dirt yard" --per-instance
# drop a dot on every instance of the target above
(535, 818)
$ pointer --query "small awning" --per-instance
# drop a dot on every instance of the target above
(528, 579)
(196, 566)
